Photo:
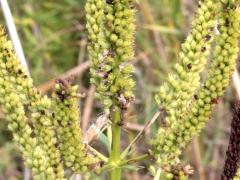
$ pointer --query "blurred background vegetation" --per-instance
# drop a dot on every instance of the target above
(54, 40)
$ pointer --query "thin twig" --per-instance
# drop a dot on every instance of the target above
(198, 157)
(72, 72)
(139, 135)
(134, 159)
(133, 126)
(98, 154)
(82, 50)
(88, 108)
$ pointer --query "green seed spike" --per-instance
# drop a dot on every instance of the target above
(38, 106)
(170, 141)
(175, 95)
(111, 27)
(97, 46)
(67, 119)
(35, 157)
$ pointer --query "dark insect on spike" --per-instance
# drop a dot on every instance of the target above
(152, 158)
(101, 163)
(215, 101)
(203, 49)
(20, 71)
(233, 7)
(207, 37)
(121, 123)
(195, 97)
(189, 66)
(214, 14)
(109, 1)
(38, 92)
(131, 6)
(42, 112)
(227, 22)
(199, 5)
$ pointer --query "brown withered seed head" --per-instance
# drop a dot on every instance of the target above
(186, 169)
(65, 86)
(233, 153)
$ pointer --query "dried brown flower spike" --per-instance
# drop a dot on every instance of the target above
(233, 152)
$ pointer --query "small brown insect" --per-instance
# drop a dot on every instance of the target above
(101, 163)
(42, 112)
(109, 1)
(214, 101)
(20, 71)
(189, 66)
(227, 22)
(207, 37)
(121, 123)
(195, 97)
(203, 49)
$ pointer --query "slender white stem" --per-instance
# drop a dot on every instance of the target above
(13, 33)
(158, 174)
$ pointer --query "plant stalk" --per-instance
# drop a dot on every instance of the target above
(115, 154)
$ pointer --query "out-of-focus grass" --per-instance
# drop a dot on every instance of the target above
(53, 35)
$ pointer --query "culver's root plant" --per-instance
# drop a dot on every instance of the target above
(47, 129)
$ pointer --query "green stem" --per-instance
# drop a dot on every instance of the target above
(109, 166)
(115, 154)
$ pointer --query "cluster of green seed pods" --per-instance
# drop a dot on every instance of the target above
(110, 27)
(36, 135)
(170, 140)
(39, 107)
(12, 101)
(66, 115)
(175, 95)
